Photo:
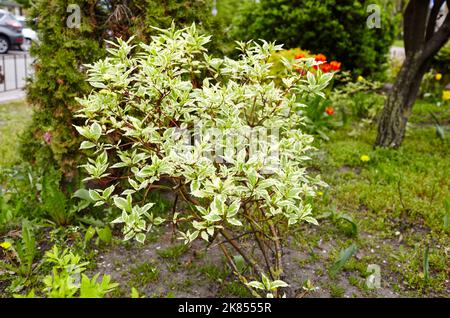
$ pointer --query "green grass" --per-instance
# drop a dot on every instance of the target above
(213, 273)
(336, 291)
(14, 116)
(173, 252)
(397, 199)
(143, 274)
(422, 109)
(410, 182)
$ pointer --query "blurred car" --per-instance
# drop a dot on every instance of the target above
(10, 32)
(29, 34)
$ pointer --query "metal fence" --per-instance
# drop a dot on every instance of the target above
(15, 68)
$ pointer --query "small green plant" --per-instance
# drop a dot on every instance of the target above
(20, 188)
(440, 130)
(342, 259)
(345, 221)
(426, 263)
(144, 274)
(270, 287)
(319, 117)
(135, 293)
(357, 98)
(336, 291)
(67, 279)
(213, 273)
(58, 208)
(20, 257)
(104, 235)
(432, 86)
(173, 252)
(446, 223)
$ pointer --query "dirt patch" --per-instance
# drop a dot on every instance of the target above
(178, 276)
(188, 276)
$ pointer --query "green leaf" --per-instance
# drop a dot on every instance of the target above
(343, 258)
(426, 263)
(29, 244)
(255, 284)
(96, 131)
(239, 261)
(311, 220)
(140, 237)
(94, 195)
(204, 236)
(353, 226)
(278, 284)
(265, 280)
(122, 204)
(104, 234)
(90, 232)
(134, 293)
(82, 194)
(87, 145)
(234, 222)
(108, 191)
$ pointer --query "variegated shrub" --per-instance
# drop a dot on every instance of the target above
(218, 133)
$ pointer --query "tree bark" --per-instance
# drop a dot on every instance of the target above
(422, 42)
(394, 117)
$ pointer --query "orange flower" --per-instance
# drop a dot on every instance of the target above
(299, 56)
(329, 110)
(325, 67)
(320, 58)
(335, 65)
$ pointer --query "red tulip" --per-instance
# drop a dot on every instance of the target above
(325, 67)
(329, 110)
(320, 58)
(335, 65)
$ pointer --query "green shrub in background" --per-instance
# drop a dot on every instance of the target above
(50, 140)
(441, 63)
(337, 29)
(161, 13)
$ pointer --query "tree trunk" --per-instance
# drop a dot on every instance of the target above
(395, 114)
(422, 42)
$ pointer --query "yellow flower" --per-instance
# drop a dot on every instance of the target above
(438, 76)
(360, 78)
(365, 158)
(319, 193)
(446, 95)
(5, 245)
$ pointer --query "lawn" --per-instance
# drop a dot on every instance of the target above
(14, 116)
(391, 212)
(395, 207)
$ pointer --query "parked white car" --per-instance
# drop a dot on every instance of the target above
(29, 34)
